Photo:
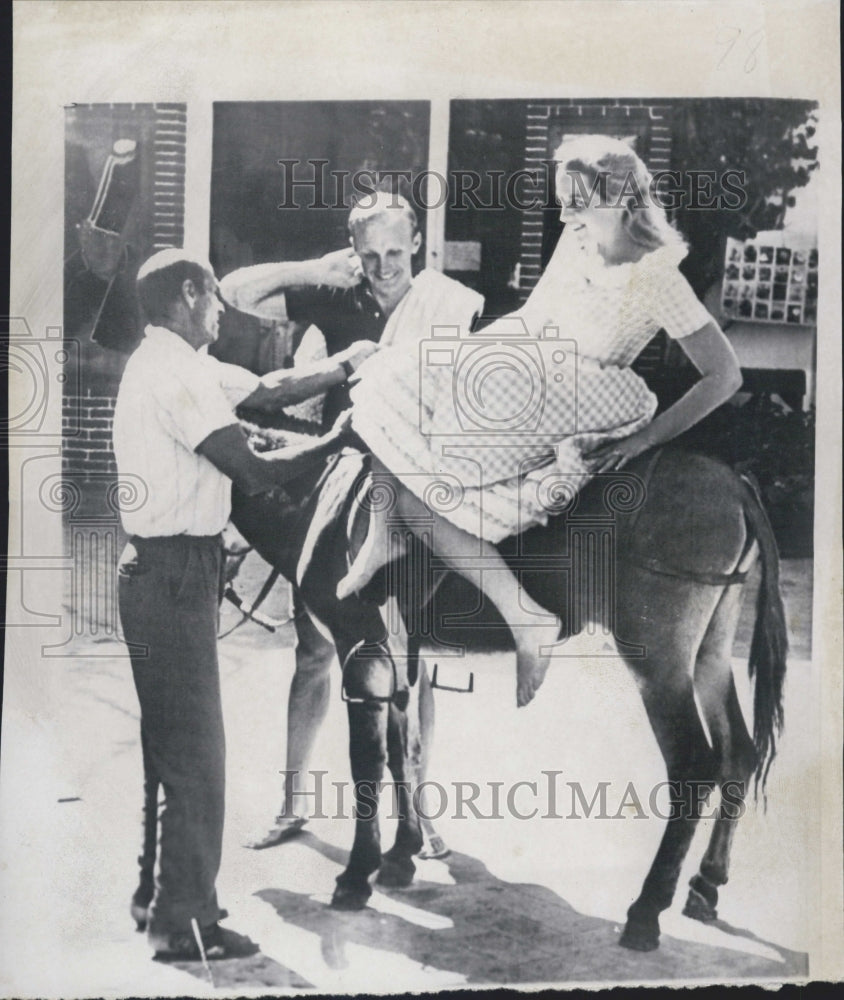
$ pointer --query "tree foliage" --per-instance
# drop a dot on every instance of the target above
(769, 141)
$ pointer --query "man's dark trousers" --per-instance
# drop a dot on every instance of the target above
(169, 592)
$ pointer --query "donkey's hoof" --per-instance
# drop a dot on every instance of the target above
(350, 897)
(640, 936)
(701, 901)
(396, 874)
(699, 908)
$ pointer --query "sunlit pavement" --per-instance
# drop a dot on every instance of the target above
(520, 901)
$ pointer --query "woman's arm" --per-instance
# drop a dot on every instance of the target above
(713, 356)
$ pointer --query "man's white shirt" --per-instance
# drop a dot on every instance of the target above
(171, 398)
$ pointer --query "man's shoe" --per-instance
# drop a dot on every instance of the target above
(138, 910)
(138, 913)
(218, 942)
(141, 898)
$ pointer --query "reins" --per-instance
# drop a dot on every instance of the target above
(249, 612)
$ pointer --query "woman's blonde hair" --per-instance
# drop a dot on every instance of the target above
(612, 168)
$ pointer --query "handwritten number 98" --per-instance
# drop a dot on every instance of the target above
(729, 37)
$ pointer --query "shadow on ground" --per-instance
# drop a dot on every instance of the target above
(255, 971)
(505, 932)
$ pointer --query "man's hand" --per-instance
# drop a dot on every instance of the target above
(228, 450)
(357, 353)
(340, 269)
(289, 386)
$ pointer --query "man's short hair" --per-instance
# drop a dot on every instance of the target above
(376, 205)
(160, 279)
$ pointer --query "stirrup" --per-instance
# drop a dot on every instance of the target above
(446, 687)
(364, 690)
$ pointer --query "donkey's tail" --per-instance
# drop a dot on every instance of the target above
(769, 645)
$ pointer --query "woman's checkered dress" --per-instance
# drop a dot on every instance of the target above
(490, 429)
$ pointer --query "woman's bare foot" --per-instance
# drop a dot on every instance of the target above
(531, 664)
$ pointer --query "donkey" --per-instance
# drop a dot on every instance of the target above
(673, 536)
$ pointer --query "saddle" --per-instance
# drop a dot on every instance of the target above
(332, 505)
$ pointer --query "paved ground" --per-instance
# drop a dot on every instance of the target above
(529, 901)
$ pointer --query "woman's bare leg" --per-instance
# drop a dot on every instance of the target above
(532, 627)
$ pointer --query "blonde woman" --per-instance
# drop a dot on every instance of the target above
(611, 284)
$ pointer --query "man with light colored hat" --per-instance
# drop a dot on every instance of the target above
(175, 432)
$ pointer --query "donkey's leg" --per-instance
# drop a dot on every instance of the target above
(733, 747)
(413, 611)
(397, 867)
(691, 775)
(734, 777)
(671, 625)
(367, 751)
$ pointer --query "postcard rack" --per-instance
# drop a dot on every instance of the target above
(766, 283)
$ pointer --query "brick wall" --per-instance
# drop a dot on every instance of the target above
(87, 417)
(86, 429)
(545, 121)
(169, 183)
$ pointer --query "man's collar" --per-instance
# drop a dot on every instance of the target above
(363, 292)
(161, 335)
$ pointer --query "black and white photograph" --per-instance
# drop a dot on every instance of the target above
(424, 556)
